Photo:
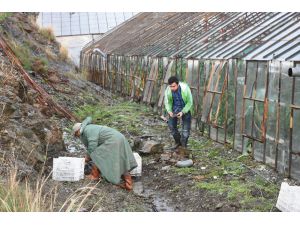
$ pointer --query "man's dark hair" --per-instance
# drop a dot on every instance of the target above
(172, 80)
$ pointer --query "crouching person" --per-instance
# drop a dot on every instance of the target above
(109, 151)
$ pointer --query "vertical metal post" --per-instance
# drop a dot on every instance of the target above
(264, 113)
(253, 106)
(235, 69)
(278, 118)
(243, 109)
(291, 128)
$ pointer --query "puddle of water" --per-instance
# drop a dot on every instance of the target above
(159, 202)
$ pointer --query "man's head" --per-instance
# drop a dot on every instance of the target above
(76, 129)
(173, 83)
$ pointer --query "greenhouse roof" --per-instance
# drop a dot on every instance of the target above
(251, 36)
(82, 23)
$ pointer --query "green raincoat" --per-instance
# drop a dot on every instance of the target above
(108, 149)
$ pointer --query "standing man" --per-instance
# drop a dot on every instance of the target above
(178, 103)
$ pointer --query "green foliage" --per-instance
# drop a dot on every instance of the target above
(24, 55)
(186, 170)
(123, 116)
(4, 15)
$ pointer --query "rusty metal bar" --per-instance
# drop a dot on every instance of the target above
(265, 114)
(291, 128)
(253, 138)
(253, 110)
(235, 72)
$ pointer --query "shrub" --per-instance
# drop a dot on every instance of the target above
(47, 33)
(63, 53)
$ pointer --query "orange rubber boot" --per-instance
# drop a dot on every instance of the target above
(128, 182)
(95, 174)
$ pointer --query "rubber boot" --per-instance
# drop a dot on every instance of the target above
(95, 173)
(127, 182)
(177, 142)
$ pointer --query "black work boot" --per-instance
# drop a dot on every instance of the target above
(177, 142)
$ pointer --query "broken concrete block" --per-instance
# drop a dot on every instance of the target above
(184, 163)
(152, 147)
(289, 198)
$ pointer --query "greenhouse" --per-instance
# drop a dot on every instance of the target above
(242, 69)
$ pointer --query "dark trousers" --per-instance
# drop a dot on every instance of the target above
(182, 138)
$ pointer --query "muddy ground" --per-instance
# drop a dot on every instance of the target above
(221, 179)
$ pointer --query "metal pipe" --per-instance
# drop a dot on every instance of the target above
(294, 72)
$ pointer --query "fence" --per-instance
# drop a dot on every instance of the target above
(252, 105)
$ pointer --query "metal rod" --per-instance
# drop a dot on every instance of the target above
(253, 106)
(243, 108)
(265, 113)
(278, 118)
(291, 128)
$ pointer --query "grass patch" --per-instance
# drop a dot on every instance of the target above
(198, 145)
(4, 15)
(242, 191)
(23, 53)
(214, 187)
(238, 188)
(215, 152)
(123, 116)
(186, 170)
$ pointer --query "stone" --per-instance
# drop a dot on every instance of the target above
(184, 163)
(138, 188)
(165, 157)
(152, 147)
(166, 168)
(220, 205)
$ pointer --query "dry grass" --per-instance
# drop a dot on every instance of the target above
(16, 196)
(75, 76)
(63, 53)
(47, 33)
(21, 197)
(40, 65)
(50, 55)
(32, 20)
